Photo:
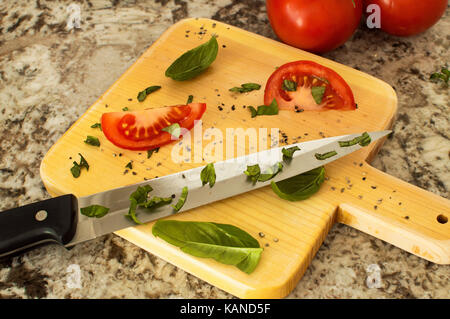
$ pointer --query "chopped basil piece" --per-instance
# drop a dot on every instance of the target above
(444, 76)
(255, 174)
(246, 87)
(156, 202)
(92, 140)
(143, 94)
(324, 156)
(150, 152)
(253, 111)
(270, 173)
(190, 99)
(288, 153)
(317, 93)
(125, 108)
(289, 85)
(96, 211)
(76, 168)
(194, 61)
(139, 196)
(224, 243)
(97, 125)
(129, 165)
(174, 130)
(362, 140)
(300, 187)
(208, 175)
(181, 200)
(272, 109)
(253, 171)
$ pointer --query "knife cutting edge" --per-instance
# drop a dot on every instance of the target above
(59, 220)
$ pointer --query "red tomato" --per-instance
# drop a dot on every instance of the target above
(314, 25)
(306, 75)
(142, 130)
(408, 17)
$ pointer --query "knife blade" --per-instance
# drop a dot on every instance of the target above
(59, 219)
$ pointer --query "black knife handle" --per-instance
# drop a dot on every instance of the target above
(51, 220)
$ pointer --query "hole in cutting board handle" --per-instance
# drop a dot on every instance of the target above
(442, 219)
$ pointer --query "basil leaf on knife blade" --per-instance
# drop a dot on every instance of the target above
(270, 172)
(224, 243)
(181, 200)
(139, 196)
(300, 187)
(288, 153)
(208, 175)
(194, 61)
(97, 211)
(362, 140)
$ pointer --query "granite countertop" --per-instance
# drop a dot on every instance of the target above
(49, 76)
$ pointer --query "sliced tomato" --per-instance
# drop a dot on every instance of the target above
(142, 130)
(308, 74)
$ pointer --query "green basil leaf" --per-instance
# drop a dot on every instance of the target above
(181, 200)
(324, 156)
(253, 171)
(253, 111)
(208, 175)
(96, 211)
(444, 75)
(174, 130)
(92, 140)
(288, 153)
(246, 87)
(224, 243)
(83, 162)
(129, 165)
(270, 173)
(150, 152)
(75, 170)
(125, 109)
(289, 85)
(138, 197)
(194, 62)
(156, 202)
(271, 109)
(362, 140)
(300, 187)
(190, 99)
(317, 93)
(143, 94)
(97, 125)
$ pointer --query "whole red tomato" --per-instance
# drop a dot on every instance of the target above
(314, 25)
(408, 17)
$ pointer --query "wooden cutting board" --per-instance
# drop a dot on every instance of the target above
(354, 193)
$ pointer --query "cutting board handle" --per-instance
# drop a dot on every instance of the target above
(401, 214)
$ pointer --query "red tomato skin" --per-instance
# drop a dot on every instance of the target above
(110, 123)
(336, 81)
(314, 25)
(408, 17)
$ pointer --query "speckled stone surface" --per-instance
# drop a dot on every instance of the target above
(49, 76)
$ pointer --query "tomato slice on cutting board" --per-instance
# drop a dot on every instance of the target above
(142, 130)
(308, 76)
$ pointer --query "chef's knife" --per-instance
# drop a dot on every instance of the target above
(59, 219)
